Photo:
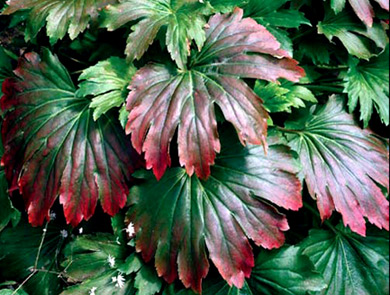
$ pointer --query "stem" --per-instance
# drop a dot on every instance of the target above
(287, 130)
(339, 67)
(24, 282)
(308, 32)
(315, 212)
(40, 246)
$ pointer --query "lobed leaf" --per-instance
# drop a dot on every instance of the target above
(298, 273)
(349, 263)
(275, 18)
(284, 97)
(221, 214)
(359, 40)
(95, 262)
(368, 84)
(343, 165)
(62, 17)
(173, 98)
(184, 22)
(107, 83)
(54, 148)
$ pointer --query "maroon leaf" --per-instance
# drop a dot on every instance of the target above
(343, 165)
(54, 148)
(177, 217)
(162, 99)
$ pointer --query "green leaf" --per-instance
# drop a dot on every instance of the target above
(62, 17)
(283, 97)
(225, 6)
(284, 271)
(272, 15)
(360, 41)
(20, 247)
(221, 214)
(5, 68)
(12, 292)
(368, 84)
(350, 263)
(316, 48)
(184, 22)
(107, 83)
(8, 213)
(96, 262)
(343, 165)
(147, 281)
(93, 261)
(87, 256)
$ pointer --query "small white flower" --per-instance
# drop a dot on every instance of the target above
(53, 216)
(117, 241)
(119, 280)
(81, 230)
(64, 233)
(111, 261)
(92, 291)
(130, 229)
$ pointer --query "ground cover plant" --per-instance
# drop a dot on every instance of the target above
(182, 147)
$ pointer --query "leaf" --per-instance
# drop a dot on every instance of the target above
(362, 8)
(297, 271)
(173, 98)
(62, 17)
(19, 250)
(349, 263)
(284, 97)
(147, 281)
(184, 22)
(343, 165)
(87, 256)
(358, 39)
(368, 84)
(225, 6)
(7, 213)
(5, 67)
(88, 264)
(222, 213)
(12, 292)
(54, 148)
(316, 48)
(107, 82)
(272, 15)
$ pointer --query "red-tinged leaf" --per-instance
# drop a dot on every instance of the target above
(54, 148)
(161, 99)
(343, 165)
(362, 8)
(189, 215)
(384, 4)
